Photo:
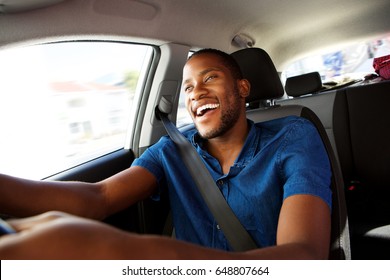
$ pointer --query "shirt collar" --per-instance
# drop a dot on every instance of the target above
(249, 150)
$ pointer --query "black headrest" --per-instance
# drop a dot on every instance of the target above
(303, 84)
(258, 68)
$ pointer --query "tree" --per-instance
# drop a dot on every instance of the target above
(131, 79)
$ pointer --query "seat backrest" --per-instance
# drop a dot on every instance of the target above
(259, 69)
(365, 129)
(361, 130)
(322, 105)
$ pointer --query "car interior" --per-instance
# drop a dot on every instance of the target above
(81, 80)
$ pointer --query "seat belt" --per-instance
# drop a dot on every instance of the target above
(238, 238)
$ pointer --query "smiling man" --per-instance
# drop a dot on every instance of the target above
(274, 175)
(214, 90)
(215, 99)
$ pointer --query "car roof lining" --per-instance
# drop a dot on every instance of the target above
(19, 6)
(302, 29)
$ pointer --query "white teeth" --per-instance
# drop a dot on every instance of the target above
(205, 107)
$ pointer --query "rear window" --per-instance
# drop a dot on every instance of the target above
(63, 104)
(342, 65)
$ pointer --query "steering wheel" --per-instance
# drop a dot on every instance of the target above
(5, 228)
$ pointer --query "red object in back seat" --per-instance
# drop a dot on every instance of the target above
(382, 66)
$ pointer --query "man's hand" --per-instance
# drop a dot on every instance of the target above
(56, 235)
(304, 231)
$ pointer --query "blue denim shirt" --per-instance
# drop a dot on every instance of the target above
(280, 158)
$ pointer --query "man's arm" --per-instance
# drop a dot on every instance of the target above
(21, 197)
(303, 229)
(303, 233)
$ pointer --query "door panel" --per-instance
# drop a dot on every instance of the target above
(148, 216)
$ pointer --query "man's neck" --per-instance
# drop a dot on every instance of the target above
(226, 148)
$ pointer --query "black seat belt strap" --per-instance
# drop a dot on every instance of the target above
(238, 238)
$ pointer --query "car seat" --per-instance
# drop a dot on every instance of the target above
(258, 68)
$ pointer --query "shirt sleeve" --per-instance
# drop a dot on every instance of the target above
(151, 160)
(304, 162)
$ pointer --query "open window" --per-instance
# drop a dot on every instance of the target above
(62, 104)
(341, 65)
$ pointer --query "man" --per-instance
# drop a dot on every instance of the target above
(275, 176)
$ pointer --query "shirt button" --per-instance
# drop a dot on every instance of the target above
(218, 227)
(220, 182)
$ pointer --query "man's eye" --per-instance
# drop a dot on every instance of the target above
(187, 89)
(210, 78)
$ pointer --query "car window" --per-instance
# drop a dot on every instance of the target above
(341, 65)
(183, 117)
(63, 104)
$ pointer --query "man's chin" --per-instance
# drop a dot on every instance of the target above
(207, 133)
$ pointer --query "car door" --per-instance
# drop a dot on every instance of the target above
(83, 110)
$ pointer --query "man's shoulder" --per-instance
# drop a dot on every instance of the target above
(291, 127)
(283, 123)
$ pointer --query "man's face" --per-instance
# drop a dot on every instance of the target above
(212, 95)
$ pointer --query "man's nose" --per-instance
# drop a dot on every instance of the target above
(198, 92)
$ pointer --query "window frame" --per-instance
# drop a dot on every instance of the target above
(133, 114)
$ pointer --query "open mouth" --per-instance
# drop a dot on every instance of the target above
(206, 108)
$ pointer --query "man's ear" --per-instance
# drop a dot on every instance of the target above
(244, 87)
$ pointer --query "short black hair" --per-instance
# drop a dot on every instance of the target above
(227, 60)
